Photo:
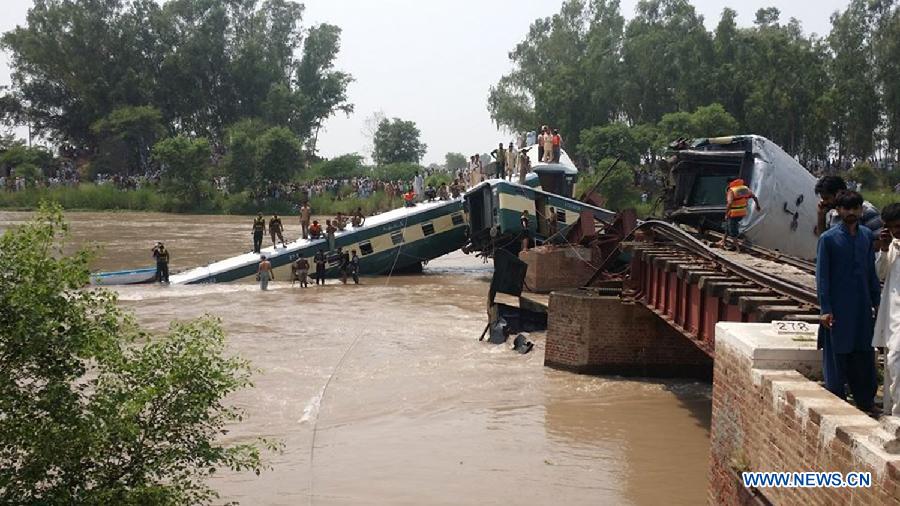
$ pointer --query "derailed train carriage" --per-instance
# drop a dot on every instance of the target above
(494, 207)
(700, 173)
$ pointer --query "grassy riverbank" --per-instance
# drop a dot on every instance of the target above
(89, 197)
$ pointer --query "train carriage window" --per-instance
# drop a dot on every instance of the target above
(428, 229)
(560, 216)
(457, 219)
(365, 248)
(334, 259)
(397, 237)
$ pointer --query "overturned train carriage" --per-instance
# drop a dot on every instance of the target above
(700, 175)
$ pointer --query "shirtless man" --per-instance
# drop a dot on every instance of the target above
(300, 272)
(358, 218)
(264, 273)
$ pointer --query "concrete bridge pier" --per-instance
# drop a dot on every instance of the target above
(592, 332)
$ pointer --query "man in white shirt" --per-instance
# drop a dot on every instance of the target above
(887, 324)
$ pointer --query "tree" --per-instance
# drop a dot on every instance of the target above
(610, 141)
(566, 72)
(241, 162)
(204, 64)
(397, 141)
(95, 410)
(126, 138)
(713, 121)
(280, 155)
(676, 125)
(617, 189)
(344, 166)
(184, 164)
(453, 161)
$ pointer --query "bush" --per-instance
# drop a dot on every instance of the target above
(864, 173)
(95, 410)
(398, 171)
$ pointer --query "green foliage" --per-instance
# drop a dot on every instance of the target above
(27, 161)
(617, 188)
(584, 67)
(344, 166)
(185, 164)
(279, 154)
(203, 64)
(864, 173)
(126, 137)
(713, 121)
(453, 161)
(437, 178)
(397, 141)
(398, 171)
(610, 141)
(707, 121)
(96, 411)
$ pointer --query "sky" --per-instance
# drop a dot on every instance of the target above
(433, 61)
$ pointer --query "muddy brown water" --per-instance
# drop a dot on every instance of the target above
(382, 394)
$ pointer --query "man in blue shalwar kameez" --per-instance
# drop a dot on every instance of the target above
(848, 291)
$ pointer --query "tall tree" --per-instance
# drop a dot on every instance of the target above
(397, 141)
(204, 64)
(453, 161)
(855, 99)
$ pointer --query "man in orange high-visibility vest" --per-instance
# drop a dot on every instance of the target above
(737, 196)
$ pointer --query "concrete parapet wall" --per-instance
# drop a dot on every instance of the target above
(767, 416)
(597, 334)
(552, 268)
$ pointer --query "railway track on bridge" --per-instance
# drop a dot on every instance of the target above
(693, 285)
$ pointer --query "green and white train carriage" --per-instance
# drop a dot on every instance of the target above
(395, 241)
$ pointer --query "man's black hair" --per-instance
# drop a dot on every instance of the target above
(830, 185)
(891, 212)
(847, 199)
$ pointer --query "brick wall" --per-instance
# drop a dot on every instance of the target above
(552, 268)
(766, 416)
(596, 334)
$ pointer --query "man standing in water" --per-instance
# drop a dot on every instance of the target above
(162, 263)
(319, 260)
(354, 267)
(264, 273)
(848, 290)
(344, 265)
(305, 214)
(275, 230)
(259, 228)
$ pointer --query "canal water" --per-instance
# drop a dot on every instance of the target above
(382, 394)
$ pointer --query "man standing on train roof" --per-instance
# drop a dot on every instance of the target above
(305, 214)
(276, 229)
(511, 161)
(826, 188)
(162, 263)
(259, 228)
(499, 155)
(737, 196)
(848, 291)
(524, 165)
(358, 219)
(887, 322)
(418, 186)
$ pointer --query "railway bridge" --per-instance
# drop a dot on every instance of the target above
(677, 307)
